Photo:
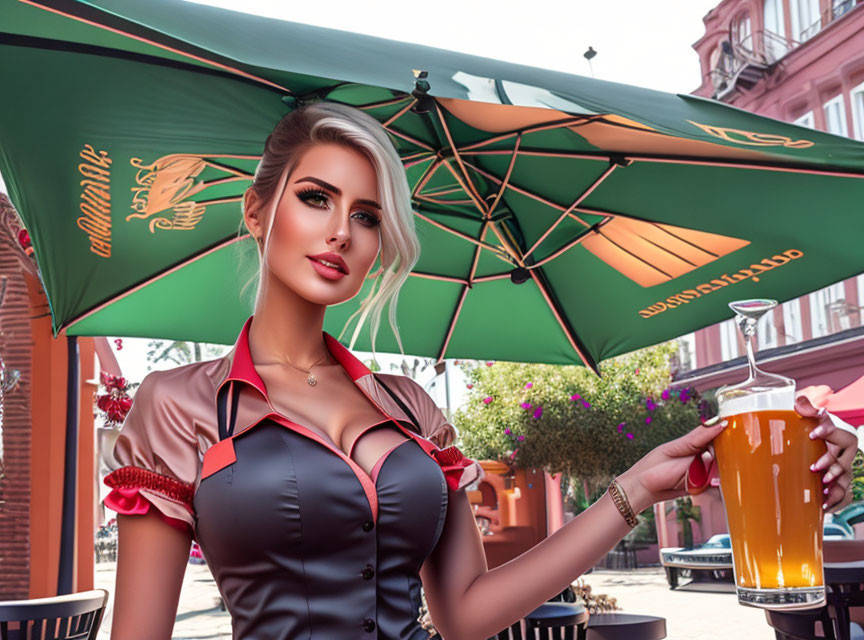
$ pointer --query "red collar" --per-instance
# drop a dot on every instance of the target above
(243, 369)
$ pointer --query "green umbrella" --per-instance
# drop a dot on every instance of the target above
(563, 219)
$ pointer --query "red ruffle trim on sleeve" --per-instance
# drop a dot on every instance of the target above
(126, 498)
(452, 463)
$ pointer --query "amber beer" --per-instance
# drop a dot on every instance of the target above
(773, 506)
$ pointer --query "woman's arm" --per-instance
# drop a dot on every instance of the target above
(497, 598)
(151, 560)
(468, 602)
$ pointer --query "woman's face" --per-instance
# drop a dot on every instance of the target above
(329, 212)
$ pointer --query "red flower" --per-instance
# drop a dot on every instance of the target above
(115, 408)
(452, 463)
(24, 239)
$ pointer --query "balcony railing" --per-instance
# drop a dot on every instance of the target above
(743, 63)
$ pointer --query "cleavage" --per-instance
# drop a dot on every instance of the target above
(373, 444)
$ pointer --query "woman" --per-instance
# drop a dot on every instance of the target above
(273, 457)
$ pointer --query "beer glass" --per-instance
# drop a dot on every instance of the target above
(773, 500)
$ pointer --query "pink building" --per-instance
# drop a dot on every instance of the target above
(801, 61)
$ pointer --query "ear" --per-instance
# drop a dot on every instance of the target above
(251, 213)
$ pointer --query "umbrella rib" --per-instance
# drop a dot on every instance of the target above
(443, 191)
(383, 103)
(527, 193)
(469, 186)
(446, 342)
(566, 247)
(606, 173)
(426, 198)
(163, 274)
(674, 160)
(497, 251)
(500, 193)
(452, 324)
(435, 276)
(417, 156)
(510, 251)
(494, 276)
(570, 335)
(386, 124)
(558, 124)
(213, 63)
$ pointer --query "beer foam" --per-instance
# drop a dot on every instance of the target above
(780, 399)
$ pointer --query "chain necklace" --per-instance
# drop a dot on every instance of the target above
(311, 380)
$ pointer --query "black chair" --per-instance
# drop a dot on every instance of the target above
(626, 626)
(76, 616)
(550, 621)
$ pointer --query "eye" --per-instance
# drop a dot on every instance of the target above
(314, 197)
(370, 219)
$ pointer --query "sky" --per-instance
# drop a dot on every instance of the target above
(648, 44)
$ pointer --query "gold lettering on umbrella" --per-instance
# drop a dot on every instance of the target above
(167, 185)
(753, 273)
(751, 138)
(162, 186)
(96, 199)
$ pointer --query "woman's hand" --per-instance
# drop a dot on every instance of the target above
(660, 474)
(837, 462)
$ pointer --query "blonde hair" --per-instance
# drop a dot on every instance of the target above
(329, 122)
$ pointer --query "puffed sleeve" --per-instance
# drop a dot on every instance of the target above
(459, 470)
(155, 457)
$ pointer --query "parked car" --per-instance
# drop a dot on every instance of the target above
(833, 531)
(715, 555)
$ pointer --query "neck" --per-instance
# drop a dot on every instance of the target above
(287, 327)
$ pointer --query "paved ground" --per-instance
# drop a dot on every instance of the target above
(703, 611)
(696, 611)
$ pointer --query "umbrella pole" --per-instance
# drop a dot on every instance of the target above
(66, 572)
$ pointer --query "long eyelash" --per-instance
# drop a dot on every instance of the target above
(306, 194)
(312, 191)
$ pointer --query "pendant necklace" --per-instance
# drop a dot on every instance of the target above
(311, 380)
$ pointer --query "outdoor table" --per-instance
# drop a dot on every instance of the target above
(625, 626)
(845, 582)
(559, 619)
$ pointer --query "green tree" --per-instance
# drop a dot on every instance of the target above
(567, 419)
(858, 478)
(182, 352)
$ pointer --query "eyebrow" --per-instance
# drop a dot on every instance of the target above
(336, 190)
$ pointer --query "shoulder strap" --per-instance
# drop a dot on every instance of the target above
(402, 405)
(227, 430)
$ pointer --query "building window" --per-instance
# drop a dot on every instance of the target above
(825, 313)
(792, 321)
(841, 7)
(860, 280)
(741, 32)
(835, 116)
(774, 33)
(687, 352)
(806, 120)
(766, 332)
(728, 340)
(806, 20)
(856, 97)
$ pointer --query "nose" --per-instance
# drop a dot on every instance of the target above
(339, 231)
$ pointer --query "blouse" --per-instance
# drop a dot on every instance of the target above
(302, 542)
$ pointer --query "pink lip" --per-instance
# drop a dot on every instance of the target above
(328, 272)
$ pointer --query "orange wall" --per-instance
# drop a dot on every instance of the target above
(47, 464)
